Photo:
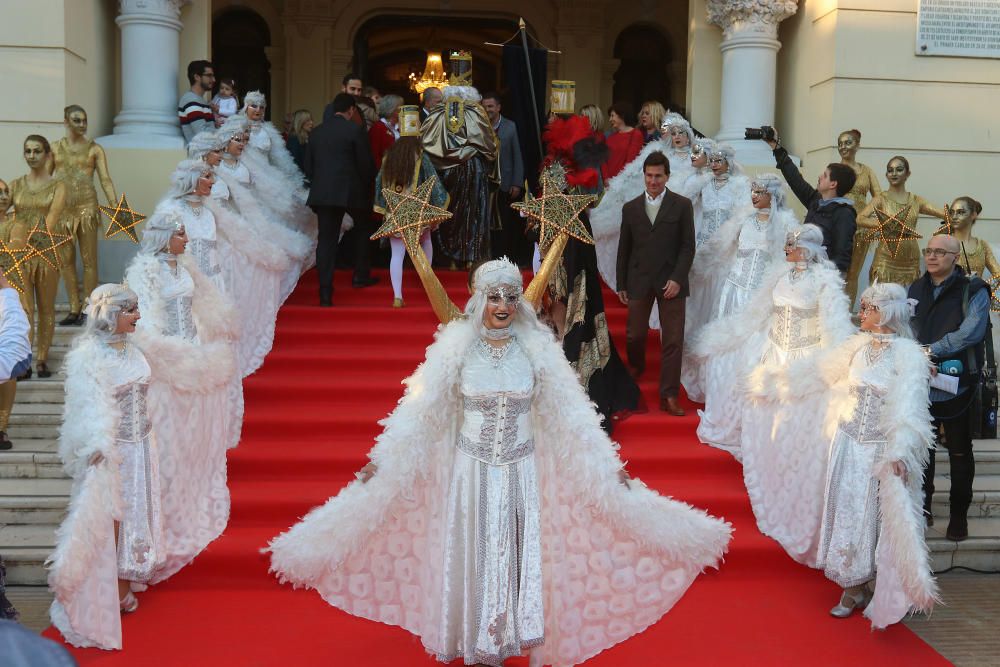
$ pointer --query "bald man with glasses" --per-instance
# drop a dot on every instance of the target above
(952, 322)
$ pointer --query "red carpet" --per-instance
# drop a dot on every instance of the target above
(311, 416)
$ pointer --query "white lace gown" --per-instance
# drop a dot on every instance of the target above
(719, 423)
(203, 240)
(282, 182)
(784, 454)
(850, 530)
(196, 430)
(492, 578)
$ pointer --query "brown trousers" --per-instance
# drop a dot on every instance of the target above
(671, 338)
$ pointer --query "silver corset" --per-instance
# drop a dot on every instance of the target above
(496, 429)
(749, 268)
(794, 328)
(180, 319)
(204, 251)
(864, 425)
(711, 220)
(131, 399)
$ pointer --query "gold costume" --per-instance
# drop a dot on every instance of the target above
(866, 184)
(7, 391)
(904, 268)
(41, 281)
(977, 257)
(75, 165)
(456, 131)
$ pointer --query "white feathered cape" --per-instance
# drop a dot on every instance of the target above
(614, 559)
(905, 581)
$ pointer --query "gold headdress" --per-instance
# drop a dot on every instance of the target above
(460, 63)
(409, 120)
(563, 97)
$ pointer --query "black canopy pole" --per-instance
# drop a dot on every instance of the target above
(531, 86)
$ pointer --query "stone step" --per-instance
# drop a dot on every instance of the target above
(26, 565)
(985, 495)
(37, 390)
(980, 552)
(29, 465)
(31, 510)
(20, 536)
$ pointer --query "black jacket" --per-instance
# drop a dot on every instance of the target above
(651, 254)
(339, 165)
(837, 220)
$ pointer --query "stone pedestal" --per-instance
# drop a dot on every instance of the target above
(749, 69)
(150, 49)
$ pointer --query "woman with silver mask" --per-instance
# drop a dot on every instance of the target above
(498, 458)
(732, 264)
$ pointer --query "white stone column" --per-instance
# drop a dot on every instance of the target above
(150, 49)
(749, 69)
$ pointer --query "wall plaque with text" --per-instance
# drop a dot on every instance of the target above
(969, 28)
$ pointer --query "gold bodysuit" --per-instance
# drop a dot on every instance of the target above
(866, 184)
(904, 268)
(75, 166)
(41, 281)
(977, 257)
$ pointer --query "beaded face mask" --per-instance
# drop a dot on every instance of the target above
(507, 294)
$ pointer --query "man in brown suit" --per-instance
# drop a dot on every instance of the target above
(655, 252)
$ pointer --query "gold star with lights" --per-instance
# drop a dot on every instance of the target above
(947, 227)
(43, 242)
(891, 230)
(122, 220)
(408, 214)
(556, 213)
(11, 262)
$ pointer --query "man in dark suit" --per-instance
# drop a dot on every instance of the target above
(655, 252)
(511, 178)
(339, 166)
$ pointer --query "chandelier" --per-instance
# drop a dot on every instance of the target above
(433, 75)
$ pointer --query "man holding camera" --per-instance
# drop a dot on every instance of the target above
(951, 318)
(827, 205)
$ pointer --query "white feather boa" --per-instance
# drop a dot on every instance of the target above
(281, 158)
(187, 366)
(417, 445)
(235, 230)
(714, 258)
(904, 561)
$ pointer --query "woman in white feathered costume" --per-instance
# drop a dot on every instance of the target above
(875, 385)
(732, 264)
(234, 186)
(113, 534)
(606, 217)
(799, 311)
(499, 518)
(274, 167)
(185, 333)
(246, 266)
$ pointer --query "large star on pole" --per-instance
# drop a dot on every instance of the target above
(408, 214)
(556, 213)
(122, 220)
(11, 262)
(43, 242)
(891, 230)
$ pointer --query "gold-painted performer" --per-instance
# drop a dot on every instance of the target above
(76, 160)
(38, 198)
(9, 388)
(904, 267)
(867, 183)
(976, 256)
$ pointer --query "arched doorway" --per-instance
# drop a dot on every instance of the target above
(238, 40)
(644, 54)
(388, 48)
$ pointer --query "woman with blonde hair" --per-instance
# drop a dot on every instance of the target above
(593, 113)
(650, 118)
(302, 125)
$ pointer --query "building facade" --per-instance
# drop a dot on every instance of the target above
(812, 68)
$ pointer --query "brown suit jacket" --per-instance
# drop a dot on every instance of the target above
(651, 254)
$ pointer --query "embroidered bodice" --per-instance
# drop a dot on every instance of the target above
(795, 312)
(202, 244)
(177, 292)
(718, 203)
(238, 171)
(129, 374)
(496, 398)
(259, 138)
(752, 254)
(869, 376)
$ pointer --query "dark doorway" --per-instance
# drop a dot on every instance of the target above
(388, 48)
(238, 40)
(644, 54)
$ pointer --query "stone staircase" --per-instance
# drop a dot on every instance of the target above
(34, 491)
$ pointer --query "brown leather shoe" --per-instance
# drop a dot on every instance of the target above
(671, 406)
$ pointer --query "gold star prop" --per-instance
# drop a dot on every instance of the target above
(408, 214)
(122, 220)
(11, 261)
(995, 294)
(556, 213)
(891, 230)
(43, 242)
(947, 227)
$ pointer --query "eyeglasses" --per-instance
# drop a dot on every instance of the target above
(937, 252)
